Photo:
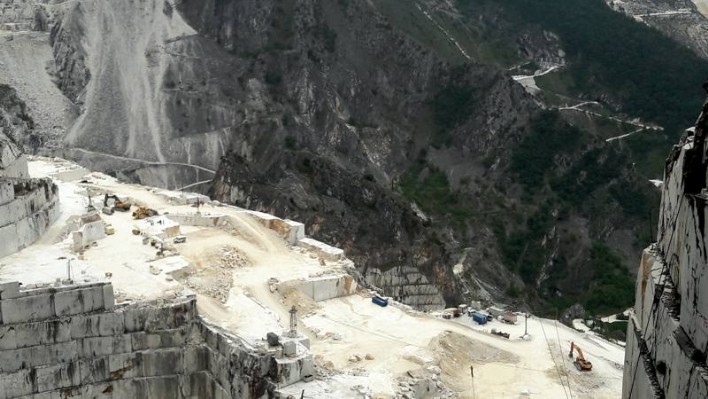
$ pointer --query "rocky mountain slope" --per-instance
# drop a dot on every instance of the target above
(395, 130)
(683, 20)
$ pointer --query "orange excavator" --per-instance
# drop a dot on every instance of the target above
(118, 205)
(580, 363)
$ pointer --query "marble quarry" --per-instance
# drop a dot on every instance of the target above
(75, 341)
(27, 206)
(667, 338)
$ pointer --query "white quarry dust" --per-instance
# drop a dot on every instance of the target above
(131, 48)
(397, 340)
(22, 66)
(702, 6)
(400, 341)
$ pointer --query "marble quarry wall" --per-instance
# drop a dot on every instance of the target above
(406, 282)
(291, 231)
(13, 162)
(27, 208)
(667, 338)
(74, 341)
(328, 287)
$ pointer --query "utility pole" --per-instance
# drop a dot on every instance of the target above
(90, 206)
(474, 395)
(68, 268)
(293, 322)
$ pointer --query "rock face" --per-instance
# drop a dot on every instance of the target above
(27, 206)
(683, 20)
(667, 338)
(73, 341)
(317, 111)
(155, 101)
(15, 122)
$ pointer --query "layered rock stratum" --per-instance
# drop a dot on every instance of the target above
(667, 338)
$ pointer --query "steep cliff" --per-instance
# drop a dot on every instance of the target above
(15, 122)
(393, 130)
(668, 330)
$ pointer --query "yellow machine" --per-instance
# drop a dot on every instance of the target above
(580, 362)
(143, 212)
(118, 205)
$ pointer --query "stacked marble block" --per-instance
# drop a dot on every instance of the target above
(75, 342)
(291, 231)
(667, 338)
(327, 287)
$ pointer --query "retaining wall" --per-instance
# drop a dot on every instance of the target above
(75, 342)
(328, 287)
(204, 219)
(27, 208)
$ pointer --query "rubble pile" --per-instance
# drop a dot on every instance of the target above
(231, 258)
(423, 383)
(216, 279)
(217, 285)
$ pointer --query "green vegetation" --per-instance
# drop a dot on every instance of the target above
(328, 36)
(612, 288)
(480, 39)
(634, 202)
(616, 330)
(649, 150)
(283, 22)
(429, 188)
(652, 76)
(522, 250)
(595, 169)
(513, 291)
(547, 137)
(290, 143)
(273, 78)
(451, 106)
(407, 17)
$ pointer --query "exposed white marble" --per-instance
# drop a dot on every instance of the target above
(667, 338)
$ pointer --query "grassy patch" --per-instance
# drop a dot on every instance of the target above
(523, 250)
(660, 85)
(612, 288)
(408, 18)
(547, 137)
(429, 187)
(596, 168)
(451, 106)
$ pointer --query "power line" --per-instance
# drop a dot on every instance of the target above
(657, 298)
(560, 348)
(550, 350)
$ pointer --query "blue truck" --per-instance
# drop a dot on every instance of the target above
(380, 301)
(479, 318)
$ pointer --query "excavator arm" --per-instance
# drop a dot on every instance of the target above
(117, 203)
(580, 362)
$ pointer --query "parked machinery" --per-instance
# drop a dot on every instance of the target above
(143, 212)
(118, 205)
(580, 362)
